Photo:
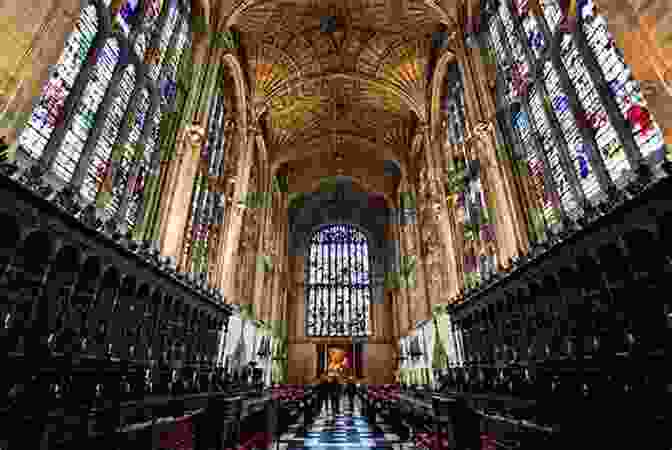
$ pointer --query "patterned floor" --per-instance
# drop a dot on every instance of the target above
(347, 429)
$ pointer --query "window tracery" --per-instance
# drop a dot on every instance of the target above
(569, 116)
(101, 158)
(338, 290)
(48, 112)
(207, 197)
(125, 16)
(85, 111)
(113, 155)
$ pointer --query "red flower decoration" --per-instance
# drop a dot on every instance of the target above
(638, 115)
(179, 438)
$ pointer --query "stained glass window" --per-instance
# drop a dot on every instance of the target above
(541, 193)
(168, 79)
(578, 148)
(520, 69)
(152, 11)
(101, 158)
(338, 290)
(608, 141)
(143, 164)
(625, 90)
(552, 13)
(503, 62)
(535, 37)
(140, 45)
(86, 109)
(125, 16)
(207, 207)
(136, 121)
(48, 112)
(453, 105)
(552, 152)
(154, 56)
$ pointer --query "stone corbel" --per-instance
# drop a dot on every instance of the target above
(195, 136)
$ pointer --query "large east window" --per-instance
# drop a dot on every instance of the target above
(338, 284)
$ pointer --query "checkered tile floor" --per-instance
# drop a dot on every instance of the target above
(348, 429)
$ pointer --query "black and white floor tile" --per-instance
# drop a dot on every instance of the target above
(345, 429)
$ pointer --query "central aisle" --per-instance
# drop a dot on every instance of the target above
(348, 429)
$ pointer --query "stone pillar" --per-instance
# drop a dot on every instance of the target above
(233, 229)
(178, 180)
(510, 236)
(172, 237)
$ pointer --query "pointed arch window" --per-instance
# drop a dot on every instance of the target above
(574, 148)
(624, 88)
(338, 288)
(125, 16)
(126, 154)
(101, 161)
(140, 45)
(151, 12)
(143, 165)
(48, 112)
(207, 198)
(464, 182)
(155, 56)
(85, 112)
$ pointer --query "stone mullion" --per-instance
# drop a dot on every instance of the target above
(509, 236)
(445, 231)
(280, 275)
(265, 243)
(182, 170)
(242, 178)
(436, 220)
(473, 153)
(483, 150)
(525, 183)
(471, 102)
(451, 225)
(403, 303)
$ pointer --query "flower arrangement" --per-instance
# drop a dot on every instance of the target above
(288, 393)
(432, 441)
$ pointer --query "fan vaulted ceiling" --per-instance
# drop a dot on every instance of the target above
(358, 80)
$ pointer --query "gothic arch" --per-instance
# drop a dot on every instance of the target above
(240, 89)
(437, 81)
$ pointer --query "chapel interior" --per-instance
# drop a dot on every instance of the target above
(335, 224)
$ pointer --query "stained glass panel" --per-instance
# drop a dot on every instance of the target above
(503, 62)
(338, 287)
(578, 149)
(520, 69)
(136, 120)
(85, 111)
(101, 155)
(155, 56)
(125, 16)
(552, 13)
(168, 78)
(535, 170)
(152, 11)
(535, 37)
(137, 185)
(552, 152)
(624, 89)
(609, 144)
(48, 111)
(140, 45)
